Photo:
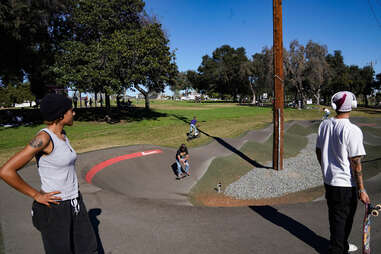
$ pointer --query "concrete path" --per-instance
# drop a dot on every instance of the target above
(137, 206)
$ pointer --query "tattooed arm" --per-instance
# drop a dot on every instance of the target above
(8, 172)
(357, 172)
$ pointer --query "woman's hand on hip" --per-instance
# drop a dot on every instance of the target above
(47, 198)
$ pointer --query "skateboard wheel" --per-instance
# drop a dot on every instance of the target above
(375, 213)
(378, 207)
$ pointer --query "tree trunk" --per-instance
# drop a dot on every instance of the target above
(145, 94)
(80, 99)
(95, 98)
(253, 92)
(304, 102)
(107, 99)
(146, 97)
(317, 97)
(234, 97)
(118, 101)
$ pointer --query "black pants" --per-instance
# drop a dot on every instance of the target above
(342, 204)
(65, 228)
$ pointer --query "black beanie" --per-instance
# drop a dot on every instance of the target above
(54, 106)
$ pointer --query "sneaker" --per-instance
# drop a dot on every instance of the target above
(352, 248)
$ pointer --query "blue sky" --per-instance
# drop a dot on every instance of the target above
(197, 27)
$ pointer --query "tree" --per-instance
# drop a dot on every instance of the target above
(12, 94)
(28, 42)
(247, 71)
(89, 59)
(355, 82)
(222, 73)
(205, 78)
(361, 81)
(368, 82)
(377, 83)
(154, 64)
(114, 46)
(228, 77)
(261, 78)
(197, 82)
(296, 66)
(317, 69)
(339, 72)
(181, 82)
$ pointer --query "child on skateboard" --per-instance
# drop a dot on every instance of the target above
(193, 127)
(326, 113)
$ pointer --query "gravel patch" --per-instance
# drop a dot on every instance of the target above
(299, 173)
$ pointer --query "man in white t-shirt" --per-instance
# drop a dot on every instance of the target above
(339, 149)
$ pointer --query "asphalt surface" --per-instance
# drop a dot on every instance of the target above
(137, 206)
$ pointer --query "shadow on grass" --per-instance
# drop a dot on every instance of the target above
(31, 117)
(300, 231)
(114, 114)
(226, 145)
(260, 105)
(370, 110)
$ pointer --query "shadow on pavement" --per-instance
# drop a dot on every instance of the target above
(174, 168)
(31, 117)
(320, 244)
(93, 213)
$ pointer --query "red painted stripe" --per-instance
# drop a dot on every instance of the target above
(92, 172)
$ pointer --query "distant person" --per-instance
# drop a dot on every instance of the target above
(339, 149)
(326, 113)
(91, 102)
(75, 101)
(58, 210)
(86, 101)
(182, 161)
(19, 119)
(193, 127)
(129, 103)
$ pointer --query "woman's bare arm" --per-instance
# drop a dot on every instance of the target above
(8, 172)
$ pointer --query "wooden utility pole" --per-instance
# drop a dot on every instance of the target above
(278, 104)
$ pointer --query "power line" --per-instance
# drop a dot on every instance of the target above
(374, 13)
